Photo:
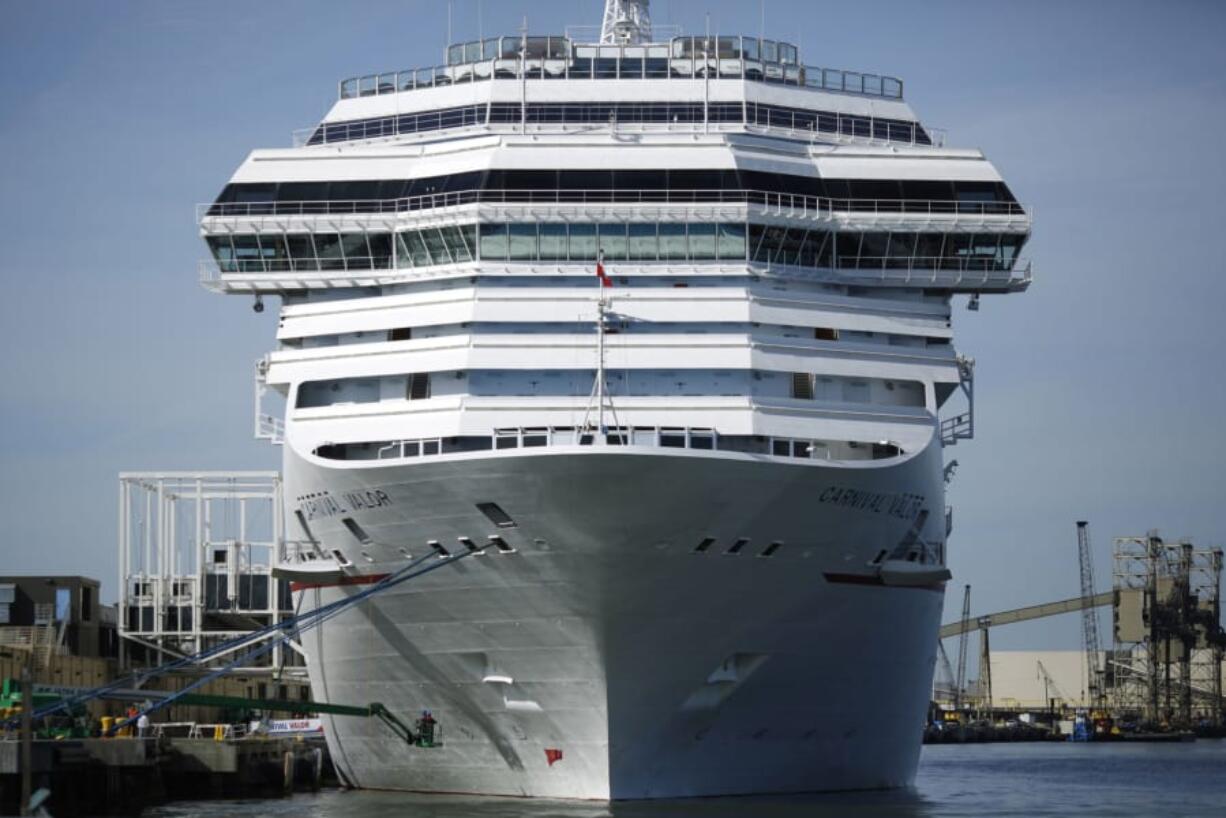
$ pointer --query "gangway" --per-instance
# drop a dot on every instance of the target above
(374, 710)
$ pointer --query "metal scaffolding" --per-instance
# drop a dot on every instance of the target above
(1167, 665)
(196, 557)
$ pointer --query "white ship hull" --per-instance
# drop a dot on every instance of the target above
(740, 263)
(655, 670)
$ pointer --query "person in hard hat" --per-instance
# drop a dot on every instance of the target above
(142, 725)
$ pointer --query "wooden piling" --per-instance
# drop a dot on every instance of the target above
(287, 766)
(27, 736)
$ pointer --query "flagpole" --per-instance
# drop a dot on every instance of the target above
(600, 308)
(599, 395)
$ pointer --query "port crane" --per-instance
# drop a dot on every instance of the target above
(1050, 686)
(964, 625)
(960, 680)
(1089, 617)
(945, 673)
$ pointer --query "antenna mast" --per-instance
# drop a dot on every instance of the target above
(626, 22)
(600, 399)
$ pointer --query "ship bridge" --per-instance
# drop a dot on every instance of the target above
(783, 242)
(715, 83)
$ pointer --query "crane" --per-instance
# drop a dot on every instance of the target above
(960, 680)
(945, 672)
(1049, 685)
(1089, 617)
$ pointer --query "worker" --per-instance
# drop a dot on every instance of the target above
(142, 725)
(426, 728)
(131, 714)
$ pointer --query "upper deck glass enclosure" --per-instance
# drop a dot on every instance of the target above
(747, 58)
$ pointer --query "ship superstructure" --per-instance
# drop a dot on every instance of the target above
(729, 581)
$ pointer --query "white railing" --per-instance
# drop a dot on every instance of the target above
(270, 428)
(679, 117)
(211, 269)
(651, 61)
(957, 273)
(944, 272)
(793, 203)
(703, 439)
(219, 732)
(300, 552)
(809, 125)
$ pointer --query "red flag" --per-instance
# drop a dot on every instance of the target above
(604, 279)
(552, 755)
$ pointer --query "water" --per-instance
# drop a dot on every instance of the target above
(1039, 779)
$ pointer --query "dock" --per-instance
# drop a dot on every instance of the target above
(130, 774)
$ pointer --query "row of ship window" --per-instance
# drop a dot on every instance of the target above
(636, 383)
(627, 113)
(556, 48)
(619, 242)
(602, 185)
(664, 437)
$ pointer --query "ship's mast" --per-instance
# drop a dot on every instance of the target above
(600, 399)
(626, 22)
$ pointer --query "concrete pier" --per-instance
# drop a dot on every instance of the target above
(98, 776)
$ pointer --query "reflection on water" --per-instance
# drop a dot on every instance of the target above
(386, 805)
(954, 782)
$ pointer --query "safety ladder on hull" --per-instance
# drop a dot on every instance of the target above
(962, 427)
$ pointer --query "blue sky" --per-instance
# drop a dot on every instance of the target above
(1100, 391)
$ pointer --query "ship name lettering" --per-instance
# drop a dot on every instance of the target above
(902, 506)
(318, 506)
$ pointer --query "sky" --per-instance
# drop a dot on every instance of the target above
(1099, 393)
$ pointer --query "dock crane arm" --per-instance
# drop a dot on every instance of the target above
(1026, 614)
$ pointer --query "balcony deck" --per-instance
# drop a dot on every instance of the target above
(223, 216)
(559, 58)
(275, 277)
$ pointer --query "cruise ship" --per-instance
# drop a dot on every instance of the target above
(658, 328)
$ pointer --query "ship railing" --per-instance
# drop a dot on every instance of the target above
(270, 428)
(808, 125)
(298, 552)
(560, 60)
(212, 269)
(439, 76)
(789, 203)
(957, 272)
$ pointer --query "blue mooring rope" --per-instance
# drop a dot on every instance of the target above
(298, 622)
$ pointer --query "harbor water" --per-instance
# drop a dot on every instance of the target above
(1027, 779)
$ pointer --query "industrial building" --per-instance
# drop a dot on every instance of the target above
(1039, 679)
(1165, 665)
(56, 615)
